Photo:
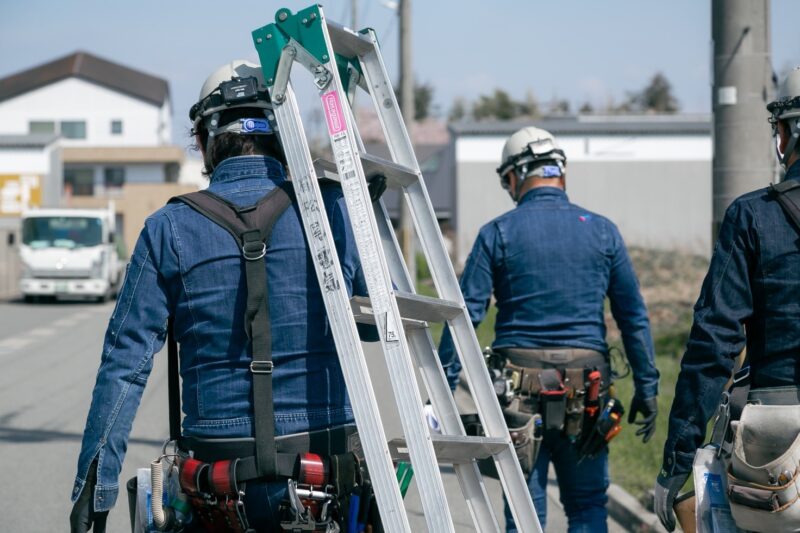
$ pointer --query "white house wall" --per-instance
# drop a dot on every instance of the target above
(76, 99)
(656, 189)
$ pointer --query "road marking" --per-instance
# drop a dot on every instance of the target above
(41, 332)
(15, 343)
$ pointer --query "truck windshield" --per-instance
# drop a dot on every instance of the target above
(62, 232)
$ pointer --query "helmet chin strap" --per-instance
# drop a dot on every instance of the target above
(211, 128)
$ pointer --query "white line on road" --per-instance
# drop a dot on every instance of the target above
(41, 332)
(13, 344)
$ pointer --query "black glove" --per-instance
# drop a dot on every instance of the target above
(83, 515)
(666, 490)
(648, 409)
(376, 185)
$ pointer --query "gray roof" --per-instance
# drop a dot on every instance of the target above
(594, 124)
(34, 140)
(91, 68)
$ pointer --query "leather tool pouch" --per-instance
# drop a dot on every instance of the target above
(576, 391)
(552, 398)
(764, 472)
(520, 426)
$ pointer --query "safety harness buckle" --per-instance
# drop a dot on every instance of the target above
(261, 367)
(253, 251)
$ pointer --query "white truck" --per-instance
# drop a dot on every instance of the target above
(70, 253)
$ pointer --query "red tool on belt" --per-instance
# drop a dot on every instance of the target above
(593, 393)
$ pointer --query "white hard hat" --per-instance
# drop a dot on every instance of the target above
(539, 141)
(787, 102)
(238, 84)
(528, 149)
(786, 107)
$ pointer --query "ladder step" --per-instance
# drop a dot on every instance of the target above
(454, 449)
(397, 176)
(415, 309)
(348, 43)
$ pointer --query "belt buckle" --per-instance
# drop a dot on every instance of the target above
(261, 367)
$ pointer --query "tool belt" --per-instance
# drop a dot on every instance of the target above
(764, 470)
(324, 465)
(560, 384)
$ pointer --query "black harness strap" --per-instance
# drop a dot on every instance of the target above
(251, 227)
(788, 195)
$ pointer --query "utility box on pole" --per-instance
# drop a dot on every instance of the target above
(744, 156)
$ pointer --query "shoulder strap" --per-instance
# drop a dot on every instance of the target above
(251, 227)
(788, 195)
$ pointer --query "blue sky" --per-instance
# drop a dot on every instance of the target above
(575, 49)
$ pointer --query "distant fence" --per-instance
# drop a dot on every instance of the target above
(9, 263)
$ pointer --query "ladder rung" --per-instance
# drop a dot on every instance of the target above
(362, 312)
(348, 43)
(454, 449)
(414, 307)
(417, 307)
(396, 175)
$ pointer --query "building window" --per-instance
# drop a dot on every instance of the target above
(116, 127)
(41, 126)
(114, 177)
(79, 181)
(73, 129)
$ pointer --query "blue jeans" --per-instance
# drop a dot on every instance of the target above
(582, 487)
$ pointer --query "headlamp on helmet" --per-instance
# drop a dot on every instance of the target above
(232, 94)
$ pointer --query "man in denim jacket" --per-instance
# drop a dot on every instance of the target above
(187, 267)
(550, 265)
(750, 297)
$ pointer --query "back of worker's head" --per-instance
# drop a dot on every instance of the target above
(785, 117)
(531, 154)
(233, 116)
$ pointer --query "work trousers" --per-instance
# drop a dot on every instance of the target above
(582, 487)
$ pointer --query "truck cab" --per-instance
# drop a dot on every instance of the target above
(70, 253)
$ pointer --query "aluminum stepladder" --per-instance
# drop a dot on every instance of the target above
(339, 60)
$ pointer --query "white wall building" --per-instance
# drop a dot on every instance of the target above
(651, 175)
(115, 122)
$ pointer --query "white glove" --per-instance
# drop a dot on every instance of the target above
(430, 417)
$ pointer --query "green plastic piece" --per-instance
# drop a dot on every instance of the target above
(305, 27)
(405, 473)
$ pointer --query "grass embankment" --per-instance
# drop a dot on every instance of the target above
(670, 283)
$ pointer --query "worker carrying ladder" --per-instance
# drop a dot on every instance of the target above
(341, 60)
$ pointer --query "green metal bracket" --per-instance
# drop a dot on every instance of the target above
(305, 27)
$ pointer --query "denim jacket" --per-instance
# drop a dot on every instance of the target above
(186, 266)
(750, 297)
(551, 265)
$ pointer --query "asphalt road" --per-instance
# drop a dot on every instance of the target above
(49, 354)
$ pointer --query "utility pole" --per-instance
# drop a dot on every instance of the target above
(354, 15)
(407, 109)
(744, 158)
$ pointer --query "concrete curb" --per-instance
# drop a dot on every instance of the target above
(631, 514)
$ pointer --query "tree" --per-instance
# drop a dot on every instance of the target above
(423, 100)
(423, 97)
(458, 111)
(499, 105)
(655, 97)
(558, 106)
(586, 109)
(530, 107)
